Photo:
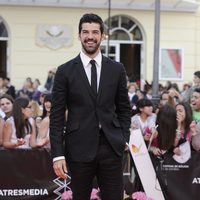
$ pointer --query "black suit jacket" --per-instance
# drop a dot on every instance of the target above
(111, 109)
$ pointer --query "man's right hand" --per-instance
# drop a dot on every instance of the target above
(60, 168)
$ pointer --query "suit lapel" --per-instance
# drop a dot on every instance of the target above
(83, 76)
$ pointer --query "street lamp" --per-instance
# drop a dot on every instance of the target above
(156, 51)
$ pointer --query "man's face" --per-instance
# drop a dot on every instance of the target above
(165, 99)
(90, 37)
(195, 101)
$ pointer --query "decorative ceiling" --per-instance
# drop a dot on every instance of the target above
(166, 5)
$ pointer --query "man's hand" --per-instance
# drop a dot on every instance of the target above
(126, 147)
(60, 168)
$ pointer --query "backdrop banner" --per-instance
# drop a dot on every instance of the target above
(28, 174)
(178, 180)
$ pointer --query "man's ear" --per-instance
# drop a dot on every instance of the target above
(103, 37)
(79, 38)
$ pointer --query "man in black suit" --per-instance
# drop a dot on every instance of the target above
(97, 129)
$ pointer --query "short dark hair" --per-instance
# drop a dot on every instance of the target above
(142, 103)
(197, 90)
(89, 18)
(197, 73)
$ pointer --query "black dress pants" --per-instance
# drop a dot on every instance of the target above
(106, 167)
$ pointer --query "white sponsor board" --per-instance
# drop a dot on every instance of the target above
(144, 165)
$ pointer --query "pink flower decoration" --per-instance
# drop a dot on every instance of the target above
(146, 130)
(140, 196)
(94, 194)
(67, 195)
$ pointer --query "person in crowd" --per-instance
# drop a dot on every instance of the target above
(148, 89)
(36, 110)
(27, 89)
(38, 92)
(196, 138)
(175, 94)
(10, 88)
(195, 103)
(94, 90)
(36, 113)
(196, 81)
(50, 79)
(36, 84)
(145, 119)
(132, 87)
(185, 90)
(6, 105)
(166, 130)
(171, 96)
(186, 126)
(43, 129)
(19, 129)
(166, 98)
(149, 94)
(141, 94)
(42, 96)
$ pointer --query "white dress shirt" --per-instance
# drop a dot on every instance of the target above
(87, 66)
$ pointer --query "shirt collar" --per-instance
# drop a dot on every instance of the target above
(86, 60)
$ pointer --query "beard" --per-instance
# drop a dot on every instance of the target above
(90, 49)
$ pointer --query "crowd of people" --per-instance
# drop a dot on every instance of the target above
(175, 119)
(24, 114)
(171, 122)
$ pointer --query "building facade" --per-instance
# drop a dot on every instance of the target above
(36, 36)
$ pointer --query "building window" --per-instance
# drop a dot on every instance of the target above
(123, 28)
(3, 31)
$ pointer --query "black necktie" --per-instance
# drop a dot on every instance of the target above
(93, 77)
